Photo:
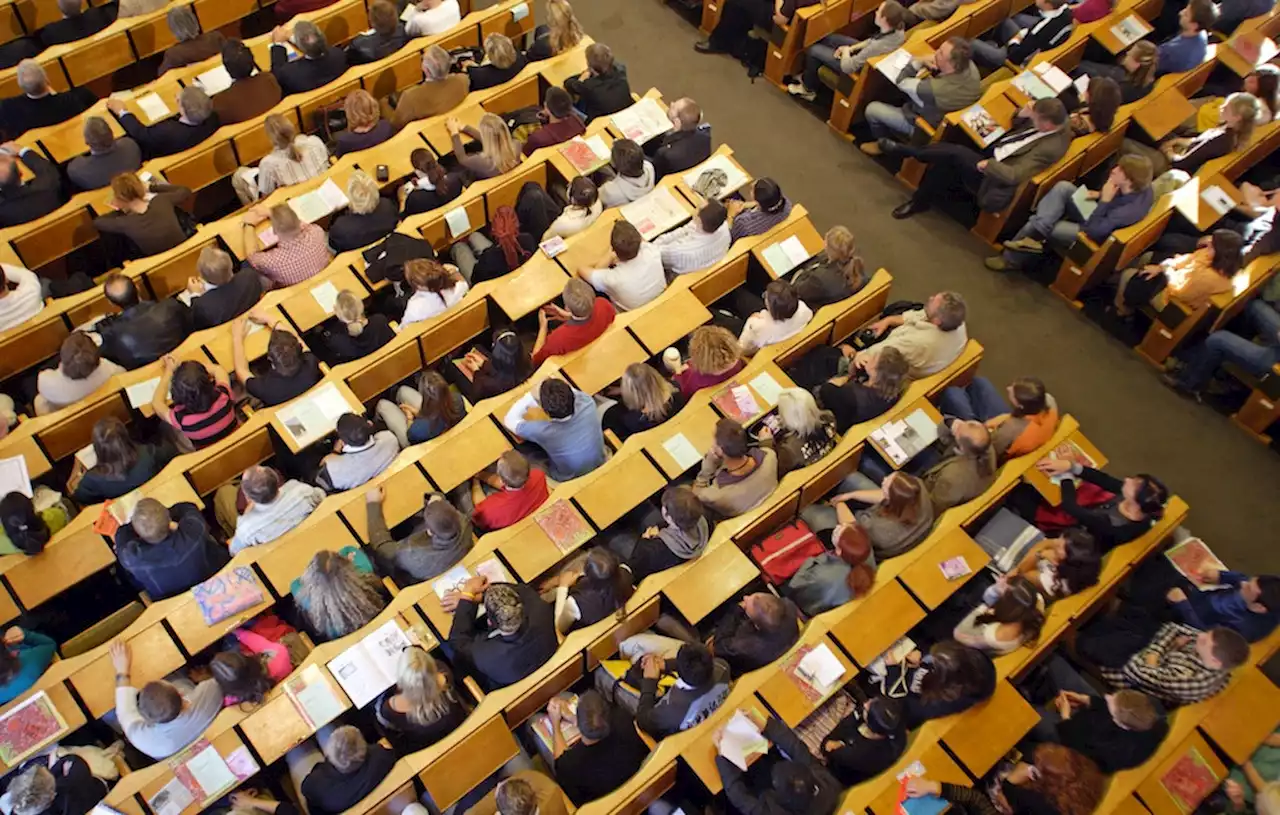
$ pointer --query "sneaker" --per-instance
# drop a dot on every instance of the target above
(798, 90)
(1029, 245)
(1176, 384)
(871, 148)
(996, 264)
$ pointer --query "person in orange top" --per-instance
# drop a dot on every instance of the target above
(1015, 430)
(1191, 279)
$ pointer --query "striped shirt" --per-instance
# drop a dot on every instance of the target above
(295, 259)
(208, 426)
(756, 221)
(689, 249)
(1179, 676)
(278, 170)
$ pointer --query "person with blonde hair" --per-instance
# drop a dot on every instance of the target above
(1237, 118)
(501, 63)
(365, 126)
(648, 400)
(433, 17)
(338, 593)
(439, 92)
(194, 123)
(294, 158)
(437, 287)
(107, 156)
(337, 770)
(562, 32)
(350, 334)
(836, 273)
(422, 707)
(146, 216)
(301, 250)
(805, 433)
(714, 356)
(368, 219)
(499, 153)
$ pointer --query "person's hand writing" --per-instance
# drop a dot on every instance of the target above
(450, 601)
(652, 665)
(476, 585)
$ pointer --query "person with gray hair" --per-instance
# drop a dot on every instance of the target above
(38, 105)
(192, 46)
(107, 157)
(76, 23)
(194, 123)
(320, 63)
(137, 8)
(274, 506)
(440, 91)
(369, 218)
(342, 770)
(685, 147)
(66, 786)
(221, 293)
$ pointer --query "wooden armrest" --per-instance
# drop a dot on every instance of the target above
(612, 439)
(925, 126)
(122, 766)
(145, 598)
(391, 586)
(473, 688)
(1083, 238)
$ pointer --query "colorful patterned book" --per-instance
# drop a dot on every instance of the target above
(1189, 781)
(28, 727)
(228, 593)
(566, 528)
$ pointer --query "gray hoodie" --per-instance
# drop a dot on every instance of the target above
(621, 190)
(684, 545)
(420, 556)
(163, 739)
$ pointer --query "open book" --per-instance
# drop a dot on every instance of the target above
(28, 727)
(655, 213)
(321, 201)
(314, 415)
(903, 440)
(586, 155)
(313, 697)
(642, 121)
(370, 666)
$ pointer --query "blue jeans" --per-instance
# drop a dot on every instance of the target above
(1056, 219)
(1224, 346)
(988, 54)
(888, 121)
(978, 401)
(823, 52)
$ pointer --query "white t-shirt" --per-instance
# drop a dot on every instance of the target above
(761, 329)
(22, 302)
(434, 21)
(424, 305)
(634, 282)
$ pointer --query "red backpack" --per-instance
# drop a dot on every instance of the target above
(781, 555)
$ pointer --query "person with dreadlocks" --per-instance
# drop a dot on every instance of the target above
(480, 259)
(336, 594)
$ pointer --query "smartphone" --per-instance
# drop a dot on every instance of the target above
(384, 174)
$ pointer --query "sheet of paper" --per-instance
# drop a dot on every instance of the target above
(458, 221)
(14, 477)
(1082, 201)
(331, 402)
(519, 11)
(87, 457)
(1082, 84)
(211, 772)
(214, 81)
(384, 646)
(171, 799)
(493, 570)
(141, 393)
(450, 580)
(153, 106)
(333, 196)
(597, 145)
(893, 65)
(1053, 76)
(741, 739)
(923, 424)
(822, 667)
(408, 12)
(682, 450)
(267, 237)
(359, 676)
(776, 257)
(1032, 85)
(768, 387)
(241, 763)
(1217, 198)
(795, 250)
(145, 177)
(326, 294)
(655, 213)
(309, 207)
(317, 698)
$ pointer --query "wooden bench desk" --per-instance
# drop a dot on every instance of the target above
(225, 743)
(1162, 115)
(1107, 38)
(982, 735)
(1152, 791)
(869, 625)
(353, 404)
(896, 416)
(711, 580)
(603, 361)
(808, 237)
(924, 578)
(697, 424)
(678, 314)
(477, 756)
(74, 554)
(437, 135)
(194, 634)
(532, 551)
(276, 726)
(404, 489)
(460, 456)
(1051, 492)
(881, 792)
(627, 480)
(289, 555)
(1245, 715)
(155, 656)
(700, 753)
(60, 695)
(538, 281)
(785, 698)
(305, 310)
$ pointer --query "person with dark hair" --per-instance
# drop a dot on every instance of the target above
(161, 719)
(696, 685)
(632, 175)
(358, 456)
(1099, 105)
(609, 752)
(559, 124)
(1252, 609)
(293, 371)
(245, 675)
(251, 94)
(319, 65)
(24, 529)
(1126, 511)
(853, 401)
(1025, 34)
(1004, 626)
(755, 632)
(735, 476)
(952, 82)
(505, 366)
(520, 489)
(1057, 567)
(866, 742)
(570, 437)
(81, 371)
(387, 35)
(1261, 319)
(631, 275)
(1192, 279)
(699, 244)
(583, 318)
(147, 217)
(122, 465)
(583, 210)
(950, 678)
(676, 532)
(526, 792)
(589, 589)
(338, 593)
(37, 105)
(602, 88)
(798, 783)
(167, 550)
(1188, 48)
(767, 208)
(480, 259)
(784, 316)
(437, 287)
(77, 22)
(421, 415)
(431, 187)
(1015, 430)
(202, 406)
(519, 635)
(107, 156)
(273, 506)
(438, 542)
(24, 656)
(23, 201)
(144, 330)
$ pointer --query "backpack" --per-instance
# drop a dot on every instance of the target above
(781, 555)
(522, 122)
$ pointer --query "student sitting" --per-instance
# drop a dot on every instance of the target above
(162, 718)
(714, 356)
(1014, 619)
(1058, 780)
(432, 187)
(799, 784)
(221, 293)
(443, 539)
(1026, 35)
(853, 402)
(1256, 357)
(589, 590)
(145, 216)
(502, 62)
(1126, 509)
(252, 92)
(62, 786)
(583, 319)
(23, 659)
(319, 65)
(648, 400)
(433, 17)
(783, 317)
(699, 244)
(559, 125)
(122, 465)
(499, 153)
(1125, 198)
(292, 373)
(301, 251)
(1187, 49)
(952, 83)
(631, 275)
(365, 127)
(898, 516)
(583, 209)
(561, 32)
(632, 177)
(423, 414)
(609, 752)
(735, 477)
(1057, 567)
(202, 406)
(837, 273)
(349, 334)
(144, 330)
(695, 685)
(37, 105)
(602, 89)
(679, 532)
(847, 55)
(1237, 118)
(1134, 72)
(805, 434)
(951, 678)
(387, 36)
(480, 259)
(526, 792)
(1250, 606)
(1100, 103)
(23, 201)
(570, 436)
(437, 287)
(520, 489)
(866, 742)
(368, 219)
(20, 296)
(294, 158)
(349, 769)
(521, 633)
(1192, 279)
(505, 366)
(26, 530)
(755, 632)
(423, 706)
(338, 593)
(358, 456)
(960, 468)
(768, 208)
(167, 550)
(1014, 431)
(196, 121)
(831, 579)
(81, 371)
(273, 507)
(685, 147)
(249, 672)
(439, 92)
(930, 338)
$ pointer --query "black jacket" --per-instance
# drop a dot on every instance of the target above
(187, 557)
(228, 301)
(488, 76)
(1093, 733)
(350, 231)
(76, 789)
(749, 800)
(329, 791)
(85, 24)
(169, 136)
(745, 647)
(23, 202)
(681, 150)
(304, 74)
(502, 660)
(93, 172)
(143, 333)
(373, 47)
(1042, 36)
(22, 113)
(600, 94)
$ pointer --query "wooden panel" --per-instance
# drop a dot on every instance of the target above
(1152, 791)
(508, 190)
(458, 456)
(603, 361)
(713, 285)
(401, 74)
(710, 581)
(76, 430)
(350, 20)
(403, 361)
(862, 638)
(155, 656)
(199, 170)
(228, 462)
(31, 345)
(36, 14)
(924, 576)
(152, 36)
(307, 111)
(404, 492)
(171, 276)
(987, 731)
(474, 759)
(456, 328)
(290, 554)
(620, 489)
(54, 237)
(835, 468)
(98, 59)
(533, 700)
(1244, 715)
(10, 25)
(68, 559)
(217, 13)
(187, 621)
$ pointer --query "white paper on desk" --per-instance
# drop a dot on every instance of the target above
(776, 257)
(736, 178)
(894, 64)
(1128, 30)
(1217, 198)
(493, 571)
(241, 763)
(746, 402)
(458, 221)
(451, 580)
(642, 121)
(171, 799)
(1082, 201)
(741, 739)
(370, 666)
(1053, 76)
(768, 387)
(267, 238)
(519, 12)
(87, 456)
(214, 81)
(309, 207)
(597, 145)
(654, 213)
(326, 294)
(682, 450)
(153, 106)
(315, 415)
(821, 668)
(184, 297)
(333, 195)
(14, 476)
(144, 177)
(795, 251)
(1082, 84)
(211, 772)
(141, 393)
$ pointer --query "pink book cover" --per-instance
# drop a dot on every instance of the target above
(1189, 781)
(562, 523)
(228, 593)
(28, 727)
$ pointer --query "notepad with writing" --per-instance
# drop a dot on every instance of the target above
(370, 666)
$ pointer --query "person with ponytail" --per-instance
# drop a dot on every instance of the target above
(836, 273)
(507, 365)
(590, 589)
(423, 706)
(431, 187)
(351, 334)
(480, 259)
(294, 158)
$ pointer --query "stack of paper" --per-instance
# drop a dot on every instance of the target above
(14, 476)
(370, 666)
(820, 668)
(141, 393)
(314, 415)
(642, 121)
(735, 179)
(741, 739)
(1053, 76)
(893, 65)
(154, 107)
(785, 255)
(655, 213)
(214, 81)
(586, 155)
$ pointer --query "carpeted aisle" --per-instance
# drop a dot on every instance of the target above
(1228, 479)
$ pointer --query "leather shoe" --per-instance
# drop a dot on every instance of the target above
(705, 47)
(889, 147)
(1171, 381)
(908, 209)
